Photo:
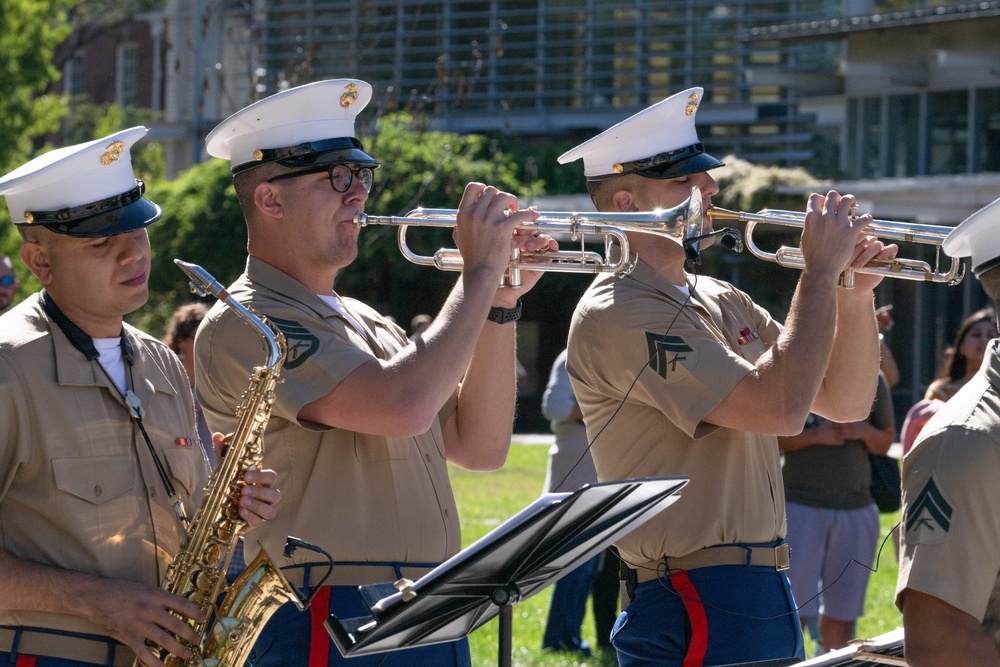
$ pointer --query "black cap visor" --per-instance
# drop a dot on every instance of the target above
(109, 217)
(342, 150)
(673, 164)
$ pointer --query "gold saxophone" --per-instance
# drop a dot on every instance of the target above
(198, 572)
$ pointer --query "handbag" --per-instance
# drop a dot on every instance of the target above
(886, 486)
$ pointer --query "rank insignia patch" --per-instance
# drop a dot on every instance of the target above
(670, 354)
(929, 516)
(302, 343)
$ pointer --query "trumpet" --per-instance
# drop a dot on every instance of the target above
(908, 269)
(682, 221)
(683, 224)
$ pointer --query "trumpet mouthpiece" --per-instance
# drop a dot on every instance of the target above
(360, 220)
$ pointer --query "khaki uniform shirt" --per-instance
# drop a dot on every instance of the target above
(78, 487)
(951, 487)
(644, 405)
(361, 497)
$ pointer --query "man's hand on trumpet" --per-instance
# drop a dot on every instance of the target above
(834, 240)
(486, 234)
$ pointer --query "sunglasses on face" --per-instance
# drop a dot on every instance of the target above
(341, 176)
(7, 281)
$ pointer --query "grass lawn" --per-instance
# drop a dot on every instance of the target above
(487, 499)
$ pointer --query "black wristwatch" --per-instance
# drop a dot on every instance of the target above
(505, 315)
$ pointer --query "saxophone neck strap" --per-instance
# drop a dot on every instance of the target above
(85, 344)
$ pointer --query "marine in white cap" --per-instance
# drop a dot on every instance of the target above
(365, 419)
(682, 374)
(949, 572)
(93, 409)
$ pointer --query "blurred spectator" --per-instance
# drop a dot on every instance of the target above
(419, 324)
(570, 467)
(887, 364)
(8, 283)
(179, 337)
(832, 517)
(960, 363)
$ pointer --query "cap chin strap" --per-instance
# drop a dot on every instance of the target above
(64, 217)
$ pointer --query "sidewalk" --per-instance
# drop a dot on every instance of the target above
(533, 438)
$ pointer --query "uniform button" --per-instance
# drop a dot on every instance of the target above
(98, 491)
(152, 493)
(428, 457)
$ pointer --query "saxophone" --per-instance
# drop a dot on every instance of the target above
(198, 571)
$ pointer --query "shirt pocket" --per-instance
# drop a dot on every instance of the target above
(99, 512)
(95, 479)
(187, 467)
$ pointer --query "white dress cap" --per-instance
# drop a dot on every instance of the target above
(85, 190)
(978, 236)
(298, 119)
(658, 142)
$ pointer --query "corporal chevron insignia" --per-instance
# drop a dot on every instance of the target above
(670, 354)
(928, 517)
(302, 344)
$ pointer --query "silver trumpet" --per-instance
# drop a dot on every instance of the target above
(682, 221)
(908, 269)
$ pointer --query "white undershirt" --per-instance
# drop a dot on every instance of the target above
(684, 289)
(110, 350)
(335, 303)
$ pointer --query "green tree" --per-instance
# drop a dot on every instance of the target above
(30, 31)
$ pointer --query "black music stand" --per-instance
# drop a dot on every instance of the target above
(541, 543)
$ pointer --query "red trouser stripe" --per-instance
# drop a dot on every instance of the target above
(319, 641)
(696, 615)
(25, 661)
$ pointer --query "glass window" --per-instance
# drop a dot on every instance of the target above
(126, 75)
(988, 129)
(947, 132)
(902, 151)
(73, 81)
(871, 138)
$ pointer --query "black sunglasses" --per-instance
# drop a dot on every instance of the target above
(7, 281)
(341, 176)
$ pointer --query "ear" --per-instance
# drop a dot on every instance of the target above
(36, 257)
(267, 199)
(624, 201)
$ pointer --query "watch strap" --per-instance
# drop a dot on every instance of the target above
(505, 315)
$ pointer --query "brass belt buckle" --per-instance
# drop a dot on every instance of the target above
(782, 559)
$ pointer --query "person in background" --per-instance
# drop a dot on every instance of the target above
(364, 420)
(682, 374)
(419, 324)
(887, 362)
(570, 467)
(949, 587)
(833, 522)
(179, 337)
(8, 283)
(961, 362)
(98, 454)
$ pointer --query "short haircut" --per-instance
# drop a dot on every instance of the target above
(183, 324)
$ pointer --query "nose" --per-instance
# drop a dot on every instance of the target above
(357, 191)
(707, 184)
(133, 246)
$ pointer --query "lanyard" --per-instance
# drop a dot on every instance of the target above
(85, 344)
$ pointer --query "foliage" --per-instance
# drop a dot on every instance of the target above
(202, 223)
(30, 31)
(87, 121)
